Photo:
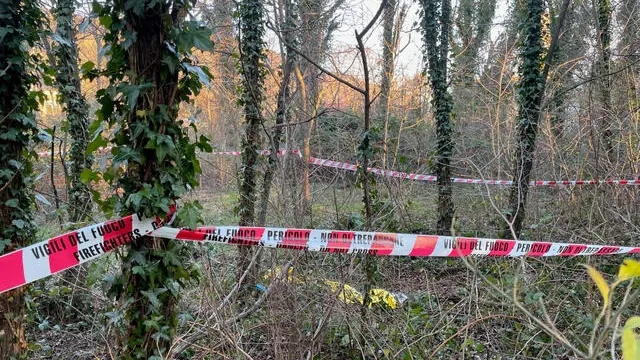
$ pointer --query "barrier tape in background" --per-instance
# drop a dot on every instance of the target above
(419, 177)
(433, 178)
(48, 257)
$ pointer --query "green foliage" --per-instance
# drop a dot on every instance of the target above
(19, 29)
(77, 109)
(251, 17)
(151, 71)
(435, 26)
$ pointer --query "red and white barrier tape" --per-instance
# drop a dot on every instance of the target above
(62, 252)
(420, 177)
(260, 152)
(433, 178)
(48, 257)
(383, 244)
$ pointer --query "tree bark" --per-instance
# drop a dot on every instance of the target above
(19, 21)
(604, 68)
(251, 57)
(287, 27)
(533, 75)
(68, 84)
(389, 44)
(436, 25)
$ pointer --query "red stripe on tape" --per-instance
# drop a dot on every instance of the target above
(463, 246)
(424, 246)
(501, 247)
(62, 249)
(12, 271)
(191, 235)
(296, 238)
(539, 248)
(605, 250)
(115, 228)
(383, 244)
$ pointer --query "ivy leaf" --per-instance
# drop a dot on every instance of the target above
(631, 339)
(88, 175)
(188, 215)
(95, 144)
(105, 21)
(20, 224)
(87, 66)
(60, 40)
(204, 78)
(153, 296)
(196, 36)
(12, 203)
(42, 199)
(602, 285)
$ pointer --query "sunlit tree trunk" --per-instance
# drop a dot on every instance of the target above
(287, 27)
(389, 45)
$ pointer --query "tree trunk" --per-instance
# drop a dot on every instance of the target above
(533, 75)
(529, 98)
(68, 84)
(161, 163)
(436, 26)
(18, 25)
(388, 67)
(252, 47)
(317, 27)
(604, 69)
(287, 27)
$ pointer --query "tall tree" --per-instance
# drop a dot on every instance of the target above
(317, 25)
(436, 24)
(251, 58)
(19, 21)
(68, 84)
(603, 68)
(151, 72)
(391, 26)
(287, 25)
(534, 68)
(472, 26)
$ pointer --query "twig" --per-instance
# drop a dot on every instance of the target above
(53, 183)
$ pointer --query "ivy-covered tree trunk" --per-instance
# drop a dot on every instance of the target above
(251, 57)
(436, 24)
(603, 71)
(68, 84)
(154, 157)
(530, 91)
(19, 21)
